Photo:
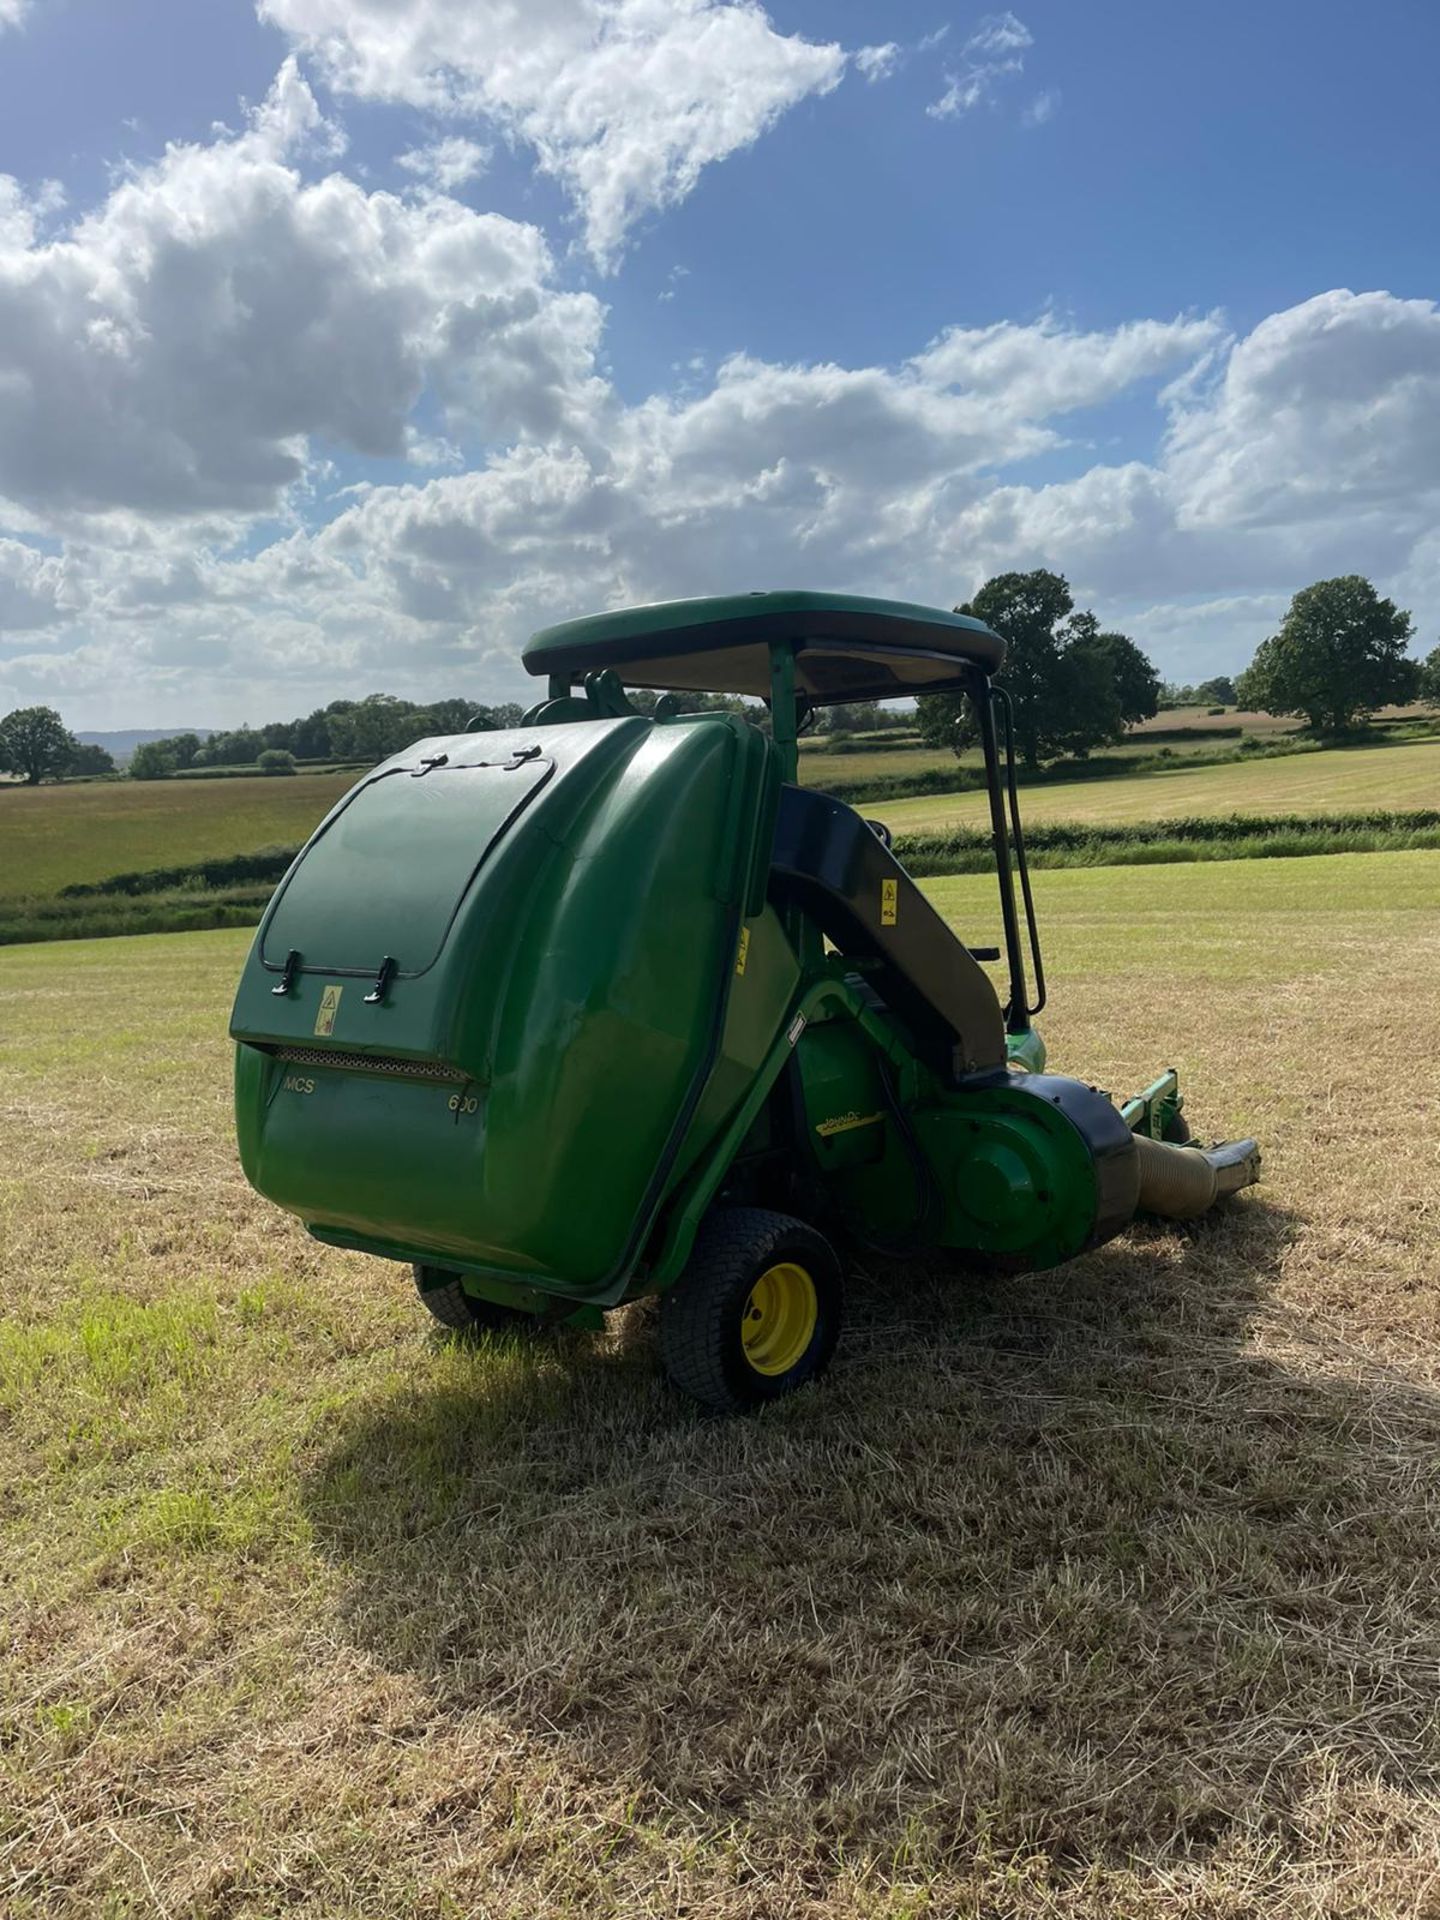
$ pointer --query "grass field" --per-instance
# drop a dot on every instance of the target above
(914, 756)
(1268, 724)
(1113, 1594)
(1399, 776)
(818, 768)
(53, 836)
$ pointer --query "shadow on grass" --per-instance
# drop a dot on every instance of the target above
(1107, 1564)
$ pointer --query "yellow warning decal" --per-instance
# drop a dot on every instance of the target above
(846, 1122)
(329, 1007)
(889, 902)
(744, 952)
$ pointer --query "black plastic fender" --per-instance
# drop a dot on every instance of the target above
(1113, 1152)
(829, 861)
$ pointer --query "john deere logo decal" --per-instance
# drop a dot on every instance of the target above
(329, 1007)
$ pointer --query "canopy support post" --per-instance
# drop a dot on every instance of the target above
(983, 699)
(782, 709)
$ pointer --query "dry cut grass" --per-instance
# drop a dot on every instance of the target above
(1271, 724)
(1111, 1593)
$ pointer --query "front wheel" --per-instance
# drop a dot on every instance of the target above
(442, 1293)
(755, 1314)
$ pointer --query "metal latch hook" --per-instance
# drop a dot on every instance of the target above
(288, 972)
(388, 969)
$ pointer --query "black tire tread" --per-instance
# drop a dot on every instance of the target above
(453, 1307)
(695, 1315)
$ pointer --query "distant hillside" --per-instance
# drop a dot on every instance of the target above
(122, 744)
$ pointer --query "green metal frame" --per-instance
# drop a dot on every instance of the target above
(704, 1182)
(1152, 1111)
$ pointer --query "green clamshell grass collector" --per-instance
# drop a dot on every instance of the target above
(608, 1005)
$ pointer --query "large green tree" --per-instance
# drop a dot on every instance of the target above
(91, 759)
(378, 725)
(1340, 653)
(153, 760)
(158, 759)
(36, 743)
(1136, 683)
(1219, 692)
(451, 716)
(1429, 679)
(240, 747)
(1072, 687)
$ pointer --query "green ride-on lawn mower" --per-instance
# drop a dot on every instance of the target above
(607, 1005)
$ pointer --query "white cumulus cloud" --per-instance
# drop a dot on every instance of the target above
(190, 349)
(446, 164)
(625, 102)
(24, 211)
(33, 589)
(1327, 413)
(179, 350)
(1047, 368)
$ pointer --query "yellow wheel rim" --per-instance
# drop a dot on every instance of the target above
(779, 1319)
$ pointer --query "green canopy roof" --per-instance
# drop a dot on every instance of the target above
(846, 647)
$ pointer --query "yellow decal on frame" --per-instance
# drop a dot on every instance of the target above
(846, 1123)
(744, 950)
(889, 902)
(329, 1007)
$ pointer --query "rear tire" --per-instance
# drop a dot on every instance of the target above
(1176, 1130)
(755, 1314)
(443, 1294)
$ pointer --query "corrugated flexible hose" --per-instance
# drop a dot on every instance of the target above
(1181, 1183)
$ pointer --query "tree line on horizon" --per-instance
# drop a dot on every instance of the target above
(346, 730)
(1340, 654)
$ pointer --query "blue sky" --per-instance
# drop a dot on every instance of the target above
(336, 352)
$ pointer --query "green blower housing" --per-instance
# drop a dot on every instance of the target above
(608, 1005)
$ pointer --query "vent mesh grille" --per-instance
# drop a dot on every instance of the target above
(371, 1063)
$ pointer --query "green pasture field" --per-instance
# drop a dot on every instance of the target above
(1406, 774)
(53, 836)
(1213, 733)
(1112, 1594)
(818, 767)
